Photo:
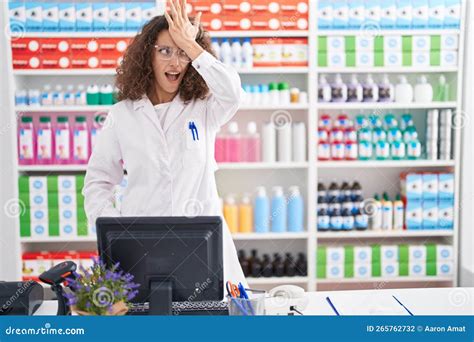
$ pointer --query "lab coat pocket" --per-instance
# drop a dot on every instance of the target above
(194, 153)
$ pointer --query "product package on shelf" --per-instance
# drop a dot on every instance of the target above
(387, 261)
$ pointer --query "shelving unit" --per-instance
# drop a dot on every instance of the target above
(306, 173)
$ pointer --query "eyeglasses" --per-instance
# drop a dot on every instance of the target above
(166, 53)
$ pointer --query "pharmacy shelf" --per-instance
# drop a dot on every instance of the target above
(374, 31)
(270, 236)
(274, 70)
(52, 168)
(256, 34)
(54, 109)
(387, 70)
(262, 166)
(64, 72)
(343, 164)
(291, 106)
(58, 239)
(384, 234)
(385, 105)
(277, 280)
(399, 279)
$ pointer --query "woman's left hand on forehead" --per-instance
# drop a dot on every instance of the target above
(182, 31)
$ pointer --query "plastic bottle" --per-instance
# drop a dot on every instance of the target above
(278, 266)
(69, 96)
(269, 143)
(410, 134)
(96, 127)
(231, 214)
(347, 220)
(284, 90)
(338, 90)
(406, 121)
(345, 192)
(261, 211)
(226, 52)
(361, 220)
(386, 90)
(21, 97)
(251, 144)
(284, 143)
(264, 95)
(106, 94)
(290, 265)
(80, 141)
(295, 210)
(220, 148)
(442, 90)
(236, 53)
(398, 213)
(247, 54)
(335, 220)
(301, 265)
(414, 149)
(397, 150)
(403, 91)
(26, 138)
(278, 211)
(375, 213)
(323, 220)
(34, 97)
(324, 90)
(62, 141)
(245, 215)
(44, 141)
(299, 142)
(370, 90)
(387, 213)
(423, 90)
(58, 96)
(274, 93)
(80, 97)
(92, 95)
(356, 192)
(322, 193)
(234, 143)
(394, 134)
(354, 90)
(46, 96)
(382, 150)
(334, 193)
(216, 48)
(256, 268)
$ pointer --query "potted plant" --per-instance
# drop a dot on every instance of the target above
(101, 291)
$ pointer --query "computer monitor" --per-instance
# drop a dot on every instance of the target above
(172, 258)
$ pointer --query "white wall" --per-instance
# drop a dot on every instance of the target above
(466, 243)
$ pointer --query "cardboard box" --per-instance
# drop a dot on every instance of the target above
(325, 14)
(67, 17)
(413, 214)
(436, 13)
(420, 13)
(50, 13)
(117, 16)
(446, 214)
(83, 16)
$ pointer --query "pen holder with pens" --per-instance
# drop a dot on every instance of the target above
(247, 307)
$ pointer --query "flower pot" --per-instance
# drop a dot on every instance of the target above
(118, 309)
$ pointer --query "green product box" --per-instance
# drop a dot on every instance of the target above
(378, 44)
(435, 58)
(53, 184)
(322, 59)
(350, 59)
(431, 269)
(323, 44)
(431, 252)
(435, 43)
(321, 271)
(79, 183)
(378, 58)
(350, 44)
(376, 254)
(321, 255)
(403, 268)
(403, 254)
(376, 269)
(407, 43)
(407, 58)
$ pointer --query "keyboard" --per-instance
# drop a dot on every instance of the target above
(202, 308)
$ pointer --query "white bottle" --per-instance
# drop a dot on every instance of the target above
(354, 90)
(46, 96)
(247, 54)
(69, 98)
(387, 213)
(58, 95)
(236, 53)
(284, 143)
(299, 142)
(268, 143)
(338, 90)
(216, 47)
(226, 52)
(371, 90)
(423, 90)
(324, 90)
(375, 214)
(398, 214)
(403, 91)
(80, 98)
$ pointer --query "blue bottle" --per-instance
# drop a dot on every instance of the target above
(261, 211)
(295, 210)
(335, 221)
(278, 211)
(323, 220)
(347, 220)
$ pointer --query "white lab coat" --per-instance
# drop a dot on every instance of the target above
(169, 172)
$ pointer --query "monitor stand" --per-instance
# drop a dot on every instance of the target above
(161, 294)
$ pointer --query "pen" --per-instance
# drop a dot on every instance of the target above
(195, 128)
(403, 305)
(332, 305)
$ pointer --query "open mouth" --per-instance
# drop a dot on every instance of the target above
(172, 76)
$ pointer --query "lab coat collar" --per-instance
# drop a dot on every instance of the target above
(176, 108)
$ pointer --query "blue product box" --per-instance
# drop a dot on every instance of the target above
(446, 186)
(133, 16)
(373, 12)
(356, 14)
(325, 14)
(430, 186)
(67, 17)
(420, 13)
(17, 16)
(116, 16)
(50, 17)
(340, 14)
(446, 214)
(100, 16)
(83, 17)
(452, 14)
(388, 14)
(148, 11)
(34, 16)
(436, 13)
(414, 214)
(430, 214)
(404, 13)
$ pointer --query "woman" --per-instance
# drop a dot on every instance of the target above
(174, 95)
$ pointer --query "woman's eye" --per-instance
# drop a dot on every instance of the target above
(165, 51)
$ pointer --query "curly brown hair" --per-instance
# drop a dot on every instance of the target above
(135, 76)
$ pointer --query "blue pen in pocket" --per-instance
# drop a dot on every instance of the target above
(194, 130)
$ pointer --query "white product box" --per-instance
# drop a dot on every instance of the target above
(389, 253)
(363, 254)
(389, 269)
(66, 184)
(364, 43)
(336, 44)
(414, 214)
(445, 268)
(83, 17)
(404, 13)
(67, 17)
(100, 16)
(392, 43)
(325, 14)
(133, 16)
(39, 228)
(446, 186)
(444, 253)
(420, 13)
(413, 185)
(335, 255)
(421, 42)
(417, 269)
(337, 59)
(67, 200)
(452, 14)
(38, 199)
(38, 184)
(436, 13)
(449, 58)
(449, 42)
(430, 186)
(364, 59)
(421, 59)
(17, 16)
(388, 14)
(50, 17)
(148, 11)
(416, 253)
(116, 16)
(67, 228)
(340, 13)
(373, 12)
(356, 14)
(393, 58)
(362, 270)
(34, 16)
(335, 271)
(446, 214)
